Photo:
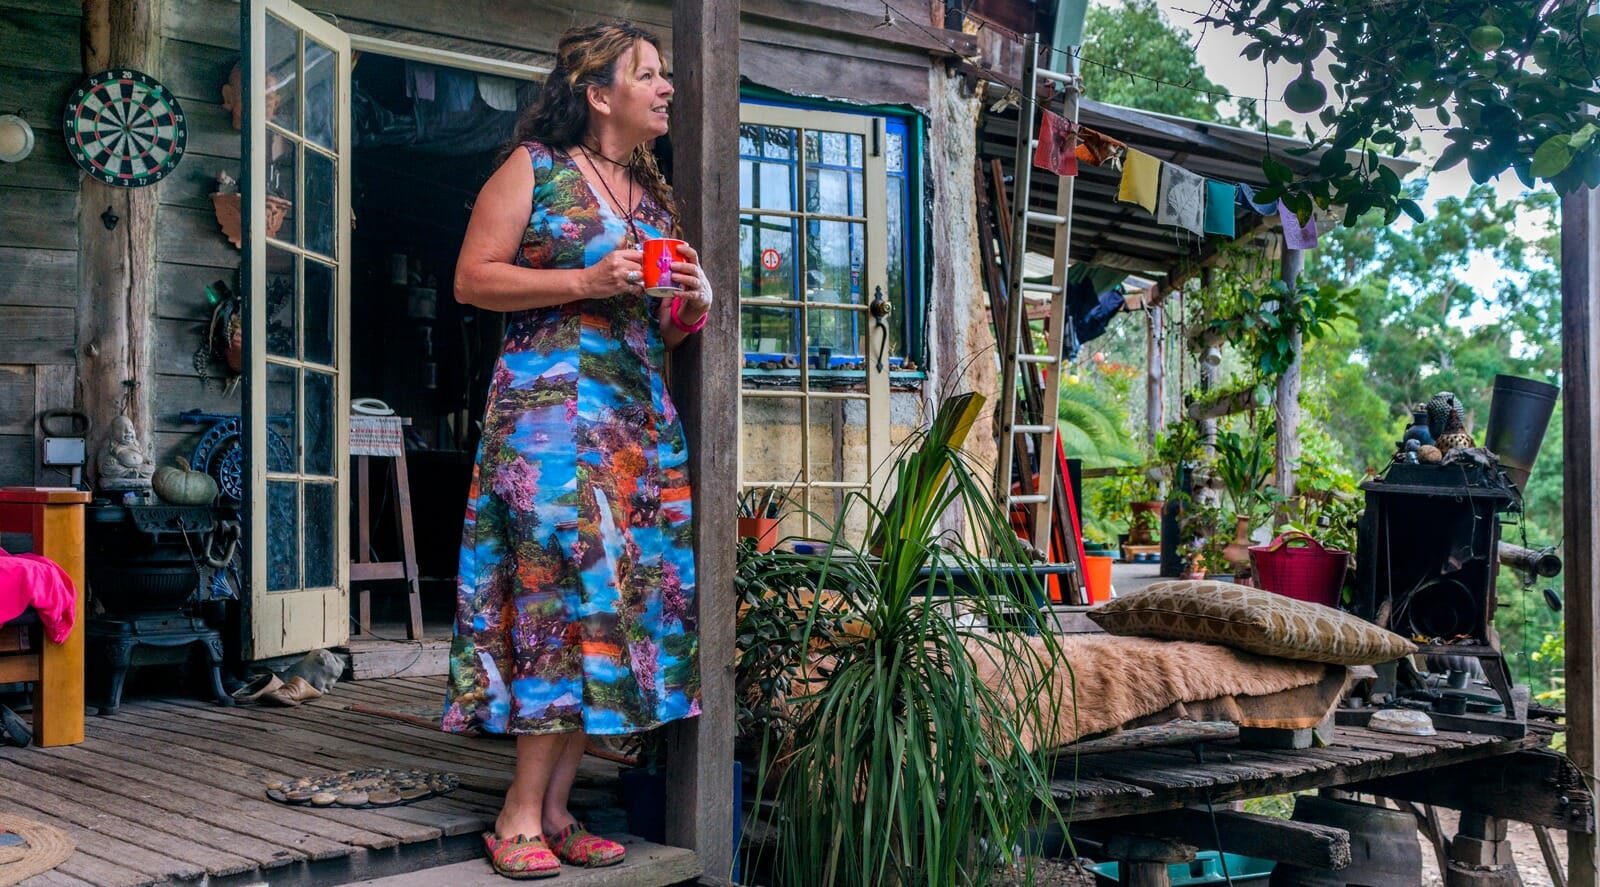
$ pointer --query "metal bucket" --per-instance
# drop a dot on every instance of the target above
(1384, 851)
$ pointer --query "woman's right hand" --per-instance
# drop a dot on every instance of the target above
(621, 271)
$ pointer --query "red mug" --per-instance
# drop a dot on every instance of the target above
(659, 254)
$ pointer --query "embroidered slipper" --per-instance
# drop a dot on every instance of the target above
(521, 857)
(576, 845)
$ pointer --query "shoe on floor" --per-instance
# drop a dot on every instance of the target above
(520, 857)
(13, 729)
(576, 845)
(295, 691)
(259, 686)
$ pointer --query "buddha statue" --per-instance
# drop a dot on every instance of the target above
(123, 464)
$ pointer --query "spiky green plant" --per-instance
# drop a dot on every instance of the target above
(905, 767)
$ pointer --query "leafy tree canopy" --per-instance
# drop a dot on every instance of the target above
(1510, 83)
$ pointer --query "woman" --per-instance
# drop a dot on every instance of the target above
(575, 601)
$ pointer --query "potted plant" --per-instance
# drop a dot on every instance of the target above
(1242, 464)
(903, 765)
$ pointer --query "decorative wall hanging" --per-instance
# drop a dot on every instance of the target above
(124, 128)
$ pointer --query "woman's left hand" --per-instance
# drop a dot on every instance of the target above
(691, 278)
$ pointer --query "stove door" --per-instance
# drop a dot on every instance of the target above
(296, 328)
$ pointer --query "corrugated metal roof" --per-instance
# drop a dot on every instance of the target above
(1106, 231)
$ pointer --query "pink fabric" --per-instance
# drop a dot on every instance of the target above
(28, 580)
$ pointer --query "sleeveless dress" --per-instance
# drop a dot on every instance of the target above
(575, 600)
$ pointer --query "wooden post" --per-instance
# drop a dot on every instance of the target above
(1580, 290)
(117, 265)
(705, 178)
(1209, 372)
(1288, 400)
(1155, 378)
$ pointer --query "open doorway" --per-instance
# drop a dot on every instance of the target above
(425, 137)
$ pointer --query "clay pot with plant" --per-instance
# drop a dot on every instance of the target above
(1242, 464)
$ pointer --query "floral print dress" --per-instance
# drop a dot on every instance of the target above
(575, 600)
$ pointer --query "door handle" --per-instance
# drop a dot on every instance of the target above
(880, 309)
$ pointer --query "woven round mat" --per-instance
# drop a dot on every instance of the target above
(46, 847)
(361, 789)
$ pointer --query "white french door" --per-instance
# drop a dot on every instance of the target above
(297, 337)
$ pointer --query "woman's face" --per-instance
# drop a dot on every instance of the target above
(640, 93)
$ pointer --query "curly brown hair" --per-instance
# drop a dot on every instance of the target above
(586, 57)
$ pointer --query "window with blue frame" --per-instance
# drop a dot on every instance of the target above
(816, 200)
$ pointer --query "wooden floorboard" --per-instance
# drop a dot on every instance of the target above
(172, 790)
(647, 865)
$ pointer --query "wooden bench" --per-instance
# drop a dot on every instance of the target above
(54, 520)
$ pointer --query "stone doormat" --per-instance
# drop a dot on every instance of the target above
(362, 789)
(29, 848)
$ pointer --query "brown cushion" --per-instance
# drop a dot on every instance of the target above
(1249, 619)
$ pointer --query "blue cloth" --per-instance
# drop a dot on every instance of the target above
(1090, 313)
(1219, 207)
(1247, 198)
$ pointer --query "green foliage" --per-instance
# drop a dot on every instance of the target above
(1094, 429)
(1244, 464)
(1262, 321)
(1155, 67)
(906, 767)
(1524, 105)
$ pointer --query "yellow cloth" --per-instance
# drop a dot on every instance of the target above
(1141, 180)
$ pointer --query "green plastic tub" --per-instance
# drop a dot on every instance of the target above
(1204, 869)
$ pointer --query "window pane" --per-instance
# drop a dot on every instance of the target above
(813, 146)
(318, 423)
(281, 302)
(283, 550)
(833, 150)
(319, 312)
(771, 431)
(322, 188)
(282, 197)
(766, 241)
(749, 135)
(776, 186)
(283, 387)
(778, 143)
(319, 535)
(894, 155)
(833, 192)
(321, 73)
(838, 331)
(833, 261)
(855, 151)
(283, 71)
(767, 333)
(896, 271)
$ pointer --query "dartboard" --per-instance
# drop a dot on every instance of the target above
(124, 128)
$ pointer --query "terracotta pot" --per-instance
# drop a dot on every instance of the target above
(228, 210)
(762, 529)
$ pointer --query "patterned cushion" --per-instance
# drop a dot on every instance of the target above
(1249, 619)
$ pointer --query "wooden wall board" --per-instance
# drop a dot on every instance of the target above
(196, 71)
(192, 183)
(175, 393)
(59, 7)
(16, 459)
(181, 289)
(41, 277)
(190, 237)
(507, 24)
(211, 130)
(39, 219)
(16, 398)
(40, 93)
(55, 387)
(211, 22)
(49, 167)
(843, 77)
(37, 335)
(42, 41)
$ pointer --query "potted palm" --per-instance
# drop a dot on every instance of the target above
(901, 764)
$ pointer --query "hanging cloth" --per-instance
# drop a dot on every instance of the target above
(1182, 201)
(1096, 148)
(499, 93)
(1219, 207)
(1296, 235)
(1247, 199)
(420, 81)
(1141, 180)
(1056, 145)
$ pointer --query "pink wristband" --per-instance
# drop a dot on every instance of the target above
(690, 328)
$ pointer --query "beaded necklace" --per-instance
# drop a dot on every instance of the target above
(627, 207)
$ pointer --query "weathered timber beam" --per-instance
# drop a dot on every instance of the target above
(1282, 840)
(827, 17)
(1536, 787)
(1539, 563)
(1210, 254)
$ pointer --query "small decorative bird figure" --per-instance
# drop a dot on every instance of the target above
(1455, 434)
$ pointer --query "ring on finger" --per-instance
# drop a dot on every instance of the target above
(635, 276)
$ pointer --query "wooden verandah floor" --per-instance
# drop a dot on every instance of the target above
(172, 790)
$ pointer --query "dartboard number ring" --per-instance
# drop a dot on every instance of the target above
(125, 128)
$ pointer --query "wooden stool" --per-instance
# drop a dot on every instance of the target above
(53, 517)
(362, 568)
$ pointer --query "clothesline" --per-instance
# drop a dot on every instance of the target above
(1174, 195)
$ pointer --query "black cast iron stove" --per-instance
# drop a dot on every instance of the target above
(151, 567)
